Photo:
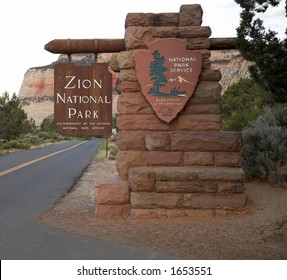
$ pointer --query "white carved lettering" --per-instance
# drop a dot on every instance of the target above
(86, 83)
(85, 114)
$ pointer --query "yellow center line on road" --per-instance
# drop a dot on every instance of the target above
(38, 159)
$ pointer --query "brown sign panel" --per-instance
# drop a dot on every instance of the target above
(83, 99)
(168, 74)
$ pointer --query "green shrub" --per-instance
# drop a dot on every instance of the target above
(31, 138)
(241, 103)
(48, 124)
(49, 136)
(13, 119)
(16, 144)
(113, 150)
(265, 145)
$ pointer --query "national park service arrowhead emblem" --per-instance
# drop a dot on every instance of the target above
(168, 74)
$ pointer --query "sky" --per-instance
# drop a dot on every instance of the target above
(27, 25)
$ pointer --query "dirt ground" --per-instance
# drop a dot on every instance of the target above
(259, 232)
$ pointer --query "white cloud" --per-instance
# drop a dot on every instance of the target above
(276, 11)
(274, 18)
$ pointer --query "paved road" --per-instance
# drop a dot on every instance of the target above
(31, 182)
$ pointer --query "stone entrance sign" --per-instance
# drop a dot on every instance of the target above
(168, 75)
(83, 99)
(174, 160)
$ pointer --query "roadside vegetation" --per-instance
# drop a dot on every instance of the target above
(17, 132)
(107, 150)
(258, 106)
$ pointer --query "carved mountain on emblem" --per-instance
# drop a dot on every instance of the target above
(180, 80)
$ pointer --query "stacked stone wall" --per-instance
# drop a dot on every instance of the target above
(187, 165)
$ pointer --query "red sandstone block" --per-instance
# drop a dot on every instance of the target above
(228, 159)
(198, 173)
(164, 32)
(231, 187)
(207, 92)
(163, 158)
(190, 15)
(127, 75)
(128, 87)
(212, 201)
(157, 141)
(176, 173)
(185, 186)
(200, 44)
(205, 141)
(125, 60)
(162, 19)
(205, 109)
(125, 160)
(199, 122)
(142, 122)
(141, 179)
(152, 200)
(114, 63)
(133, 103)
(112, 193)
(198, 158)
(150, 19)
(135, 19)
(137, 37)
(131, 140)
(220, 174)
(181, 32)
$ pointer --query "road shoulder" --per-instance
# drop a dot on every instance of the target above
(260, 232)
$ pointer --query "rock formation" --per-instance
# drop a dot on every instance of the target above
(38, 82)
(231, 65)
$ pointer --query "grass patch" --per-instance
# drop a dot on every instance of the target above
(107, 151)
(33, 140)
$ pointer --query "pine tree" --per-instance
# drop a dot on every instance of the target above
(156, 72)
(264, 48)
(13, 119)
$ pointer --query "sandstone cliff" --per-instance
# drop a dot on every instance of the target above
(37, 89)
(231, 65)
(37, 82)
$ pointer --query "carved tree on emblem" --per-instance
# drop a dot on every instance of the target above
(157, 70)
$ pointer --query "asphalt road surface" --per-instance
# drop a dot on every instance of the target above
(31, 182)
